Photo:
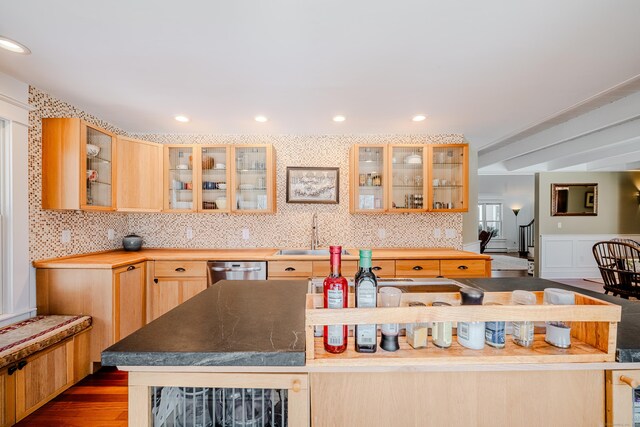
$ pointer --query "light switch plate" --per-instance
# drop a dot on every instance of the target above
(189, 233)
(437, 233)
(382, 233)
(65, 237)
(450, 233)
(245, 234)
(111, 234)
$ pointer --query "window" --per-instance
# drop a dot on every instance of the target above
(3, 181)
(490, 218)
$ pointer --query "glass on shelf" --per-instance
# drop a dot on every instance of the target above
(99, 168)
(180, 178)
(407, 190)
(251, 180)
(214, 178)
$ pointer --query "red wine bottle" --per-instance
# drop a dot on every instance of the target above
(336, 292)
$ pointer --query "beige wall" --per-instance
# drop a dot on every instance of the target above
(618, 210)
(289, 227)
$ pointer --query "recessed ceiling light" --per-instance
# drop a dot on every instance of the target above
(182, 119)
(419, 118)
(339, 118)
(13, 46)
(261, 119)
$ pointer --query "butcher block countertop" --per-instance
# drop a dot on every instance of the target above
(119, 258)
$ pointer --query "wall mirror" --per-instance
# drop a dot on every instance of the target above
(574, 199)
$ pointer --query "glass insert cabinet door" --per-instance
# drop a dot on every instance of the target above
(98, 152)
(214, 188)
(369, 180)
(408, 175)
(252, 175)
(448, 186)
(179, 178)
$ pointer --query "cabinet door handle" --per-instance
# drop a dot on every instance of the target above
(131, 267)
(377, 268)
(180, 270)
(463, 267)
(417, 267)
(12, 369)
(289, 269)
(629, 381)
(155, 280)
(22, 364)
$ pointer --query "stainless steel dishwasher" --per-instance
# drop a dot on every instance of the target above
(235, 270)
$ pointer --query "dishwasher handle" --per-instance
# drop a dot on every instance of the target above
(241, 269)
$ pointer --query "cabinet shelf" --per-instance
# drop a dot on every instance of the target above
(97, 160)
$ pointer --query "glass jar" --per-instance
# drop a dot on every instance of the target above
(558, 332)
(442, 332)
(494, 332)
(471, 334)
(523, 331)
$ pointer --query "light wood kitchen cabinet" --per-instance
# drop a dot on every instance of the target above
(623, 398)
(463, 268)
(113, 297)
(408, 178)
(253, 179)
(384, 267)
(139, 171)
(181, 178)
(77, 165)
(7, 398)
(449, 177)
(173, 283)
(417, 268)
(290, 269)
(368, 179)
(323, 268)
(215, 185)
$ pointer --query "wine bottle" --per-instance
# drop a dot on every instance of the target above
(366, 292)
(336, 291)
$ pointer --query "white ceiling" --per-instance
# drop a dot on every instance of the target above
(487, 69)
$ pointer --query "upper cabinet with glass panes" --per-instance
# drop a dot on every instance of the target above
(78, 165)
(253, 179)
(408, 178)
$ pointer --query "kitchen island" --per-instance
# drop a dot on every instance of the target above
(252, 334)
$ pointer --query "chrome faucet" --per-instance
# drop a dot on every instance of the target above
(314, 232)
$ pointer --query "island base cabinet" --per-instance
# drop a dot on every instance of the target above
(623, 398)
(522, 398)
(168, 398)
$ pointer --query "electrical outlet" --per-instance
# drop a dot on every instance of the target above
(450, 233)
(189, 233)
(111, 234)
(559, 224)
(245, 234)
(382, 233)
(437, 233)
(65, 237)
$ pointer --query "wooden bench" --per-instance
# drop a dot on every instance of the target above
(39, 359)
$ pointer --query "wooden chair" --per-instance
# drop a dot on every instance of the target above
(484, 236)
(619, 265)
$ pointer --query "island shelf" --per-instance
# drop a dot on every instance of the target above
(593, 331)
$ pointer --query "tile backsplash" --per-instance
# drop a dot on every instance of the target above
(289, 227)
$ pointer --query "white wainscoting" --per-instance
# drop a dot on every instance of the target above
(569, 256)
(472, 247)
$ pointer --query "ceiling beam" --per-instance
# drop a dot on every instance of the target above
(592, 141)
(628, 147)
(601, 118)
(621, 162)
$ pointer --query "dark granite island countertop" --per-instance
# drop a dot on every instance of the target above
(628, 340)
(232, 323)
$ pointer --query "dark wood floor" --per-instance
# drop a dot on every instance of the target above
(98, 400)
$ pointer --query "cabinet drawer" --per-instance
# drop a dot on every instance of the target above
(181, 269)
(417, 268)
(384, 267)
(462, 268)
(323, 268)
(290, 268)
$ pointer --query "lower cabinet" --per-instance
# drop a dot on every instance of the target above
(167, 293)
(228, 399)
(173, 283)
(40, 377)
(623, 398)
(114, 298)
(452, 399)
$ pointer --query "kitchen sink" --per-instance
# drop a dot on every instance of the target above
(308, 252)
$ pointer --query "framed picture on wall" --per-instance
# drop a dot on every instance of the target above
(588, 199)
(313, 185)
